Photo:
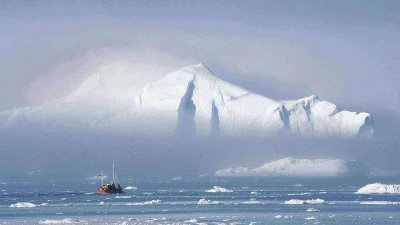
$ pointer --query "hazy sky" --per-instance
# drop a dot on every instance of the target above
(347, 52)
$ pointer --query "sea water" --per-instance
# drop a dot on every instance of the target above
(197, 201)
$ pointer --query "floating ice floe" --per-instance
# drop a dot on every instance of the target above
(218, 189)
(207, 202)
(301, 202)
(312, 210)
(251, 202)
(191, 221)
(130, 188)
(379, 203)
(63, 221)
(151, 202)
(23, 205)
(378, 188)
(310, 218)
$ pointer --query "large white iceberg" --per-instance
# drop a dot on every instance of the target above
(378, 188)
(189, 102)
(292, 167)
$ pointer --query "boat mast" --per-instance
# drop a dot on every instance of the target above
(101, 176)
(113, 173)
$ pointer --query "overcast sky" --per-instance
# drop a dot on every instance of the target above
(347, 52)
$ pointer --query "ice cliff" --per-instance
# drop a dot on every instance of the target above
(191, 102)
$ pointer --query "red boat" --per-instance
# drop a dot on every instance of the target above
(112, 188)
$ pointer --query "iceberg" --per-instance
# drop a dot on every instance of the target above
(378, 188)
(292, 167)
(191, 102)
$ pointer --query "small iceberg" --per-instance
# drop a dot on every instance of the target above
(219, 189)
(301, 202)
(203, 201)
(378, 188)
(23, 205)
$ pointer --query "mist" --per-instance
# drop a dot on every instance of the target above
(344, 52)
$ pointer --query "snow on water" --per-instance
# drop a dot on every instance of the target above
(23, 205)
(62, 221)
(219, 189)
(378, 188)
(131, 188)
(191, 101)
(301, 202)
(292, 167)
(203, 201)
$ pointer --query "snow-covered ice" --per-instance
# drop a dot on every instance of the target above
(378, 188)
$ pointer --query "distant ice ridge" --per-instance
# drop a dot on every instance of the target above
(189, 102)
(23, 205)
(293, 167)
(378, 188)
